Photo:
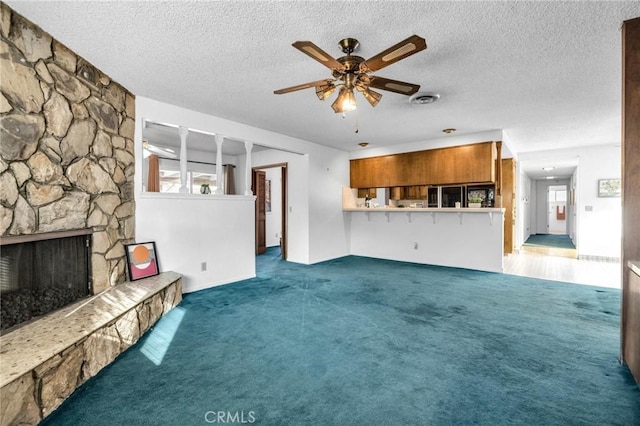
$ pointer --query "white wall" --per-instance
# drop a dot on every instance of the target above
(573, 183)
(274, 217)
(328, 234)
(523, 209)
(297, 197)
(316, 225)
(191, 229)
(599, 229)
(474, 243)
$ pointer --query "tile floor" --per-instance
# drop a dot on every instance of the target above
(537, 265)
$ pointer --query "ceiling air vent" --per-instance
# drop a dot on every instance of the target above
(423, 98)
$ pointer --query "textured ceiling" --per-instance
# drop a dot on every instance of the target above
(548, 73)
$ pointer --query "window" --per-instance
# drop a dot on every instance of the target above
(169, 181)
(198, 178)
(197, 174)
(557, 193)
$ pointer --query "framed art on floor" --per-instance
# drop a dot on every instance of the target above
(142, 261)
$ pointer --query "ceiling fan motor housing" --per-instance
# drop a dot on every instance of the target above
(348, 45)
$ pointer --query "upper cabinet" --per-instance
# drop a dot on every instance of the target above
(474, 163)
(371, 172)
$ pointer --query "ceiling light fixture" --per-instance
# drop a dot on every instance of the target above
(550, 177)
(346, 100)
(372, 97)
(363, 144)
(449, 131)
(548, 169)
(325, 91)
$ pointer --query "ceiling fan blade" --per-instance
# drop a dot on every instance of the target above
(324, 82)
(394, 85)
(318, 54)
(408, 47)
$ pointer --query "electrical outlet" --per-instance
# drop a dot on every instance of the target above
(203, 266)
(415, 246)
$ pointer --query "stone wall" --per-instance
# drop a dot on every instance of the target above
(66, 146)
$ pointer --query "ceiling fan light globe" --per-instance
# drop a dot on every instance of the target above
(339, 104)
(349, 101)
(323, 92)
(372, 97)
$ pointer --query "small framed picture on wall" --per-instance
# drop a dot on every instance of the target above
(609, 187)
(267, 195)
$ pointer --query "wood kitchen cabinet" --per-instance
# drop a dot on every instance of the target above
(465, 164)
(509, 203)
(413, 192)
(416, 192)
(475, 163)
(373, 172)
(396, 193)
(367, 192)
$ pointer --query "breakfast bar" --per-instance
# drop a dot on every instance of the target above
(469, 238)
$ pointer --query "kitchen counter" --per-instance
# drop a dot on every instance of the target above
(461, 238)
(424, 209)
(471, 238)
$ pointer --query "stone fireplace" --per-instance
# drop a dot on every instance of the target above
(67, 156)
(66, 170)
(42, 273)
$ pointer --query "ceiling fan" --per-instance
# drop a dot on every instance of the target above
(352, 72)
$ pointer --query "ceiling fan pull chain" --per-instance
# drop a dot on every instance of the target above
(357, 130)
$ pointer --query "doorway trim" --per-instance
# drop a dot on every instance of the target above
(284, 184)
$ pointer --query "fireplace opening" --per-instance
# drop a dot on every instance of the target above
(42, 273)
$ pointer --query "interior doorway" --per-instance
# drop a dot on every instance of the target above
(269, 185)
(552, 218)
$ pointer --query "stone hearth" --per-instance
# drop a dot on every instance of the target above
(43, 362)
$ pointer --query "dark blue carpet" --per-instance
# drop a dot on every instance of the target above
(359, 341)
(550, 240)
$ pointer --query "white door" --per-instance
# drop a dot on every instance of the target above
(557, 209)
